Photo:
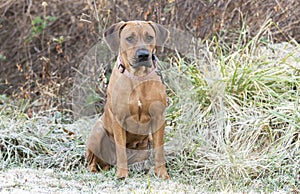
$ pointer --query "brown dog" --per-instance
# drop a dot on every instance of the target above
(136, 100)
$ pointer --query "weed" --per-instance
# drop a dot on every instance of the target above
(233, 123)
(38, 25)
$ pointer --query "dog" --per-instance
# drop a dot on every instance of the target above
(133, 117)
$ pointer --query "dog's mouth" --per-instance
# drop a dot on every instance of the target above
(141, 63)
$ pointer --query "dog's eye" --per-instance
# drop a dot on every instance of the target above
(130, 39)
(149, 38)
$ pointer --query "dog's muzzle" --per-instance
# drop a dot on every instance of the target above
(143, 58)
(143, 55)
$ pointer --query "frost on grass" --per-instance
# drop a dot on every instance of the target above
(24, 180)
(233, 125)
(237, 117)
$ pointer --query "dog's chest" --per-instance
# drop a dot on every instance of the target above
(137, 106)
(146, 101)
(139, 109)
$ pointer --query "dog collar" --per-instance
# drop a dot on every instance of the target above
(124, 71)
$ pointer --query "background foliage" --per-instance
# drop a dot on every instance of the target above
(42, 43)
(233, 114)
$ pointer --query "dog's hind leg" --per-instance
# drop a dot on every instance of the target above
(94, 163)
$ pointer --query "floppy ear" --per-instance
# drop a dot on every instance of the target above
(162, 34)
(112, 36)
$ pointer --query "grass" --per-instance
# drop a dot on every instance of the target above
(233, 125)
(42, 140)
(237, 117)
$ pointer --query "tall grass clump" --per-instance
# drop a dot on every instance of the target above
(236, 121)
(45, 140)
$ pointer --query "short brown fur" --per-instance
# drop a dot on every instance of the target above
(131, 101)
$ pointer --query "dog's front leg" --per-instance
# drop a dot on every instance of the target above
(120, 140)
(158, 144)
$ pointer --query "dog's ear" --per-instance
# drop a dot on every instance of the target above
(112, 36)
(162, 34)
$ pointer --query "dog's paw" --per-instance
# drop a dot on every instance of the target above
(122, 173)
(105, 167)
(161, 172)
(93, 168)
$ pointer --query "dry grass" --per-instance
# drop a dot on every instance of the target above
(237, 116)
(46, 140)
(233, 125)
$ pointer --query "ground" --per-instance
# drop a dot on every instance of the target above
(25, 180)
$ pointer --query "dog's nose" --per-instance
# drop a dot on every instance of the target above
(143, 54)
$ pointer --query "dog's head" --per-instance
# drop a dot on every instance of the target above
(136, 42)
